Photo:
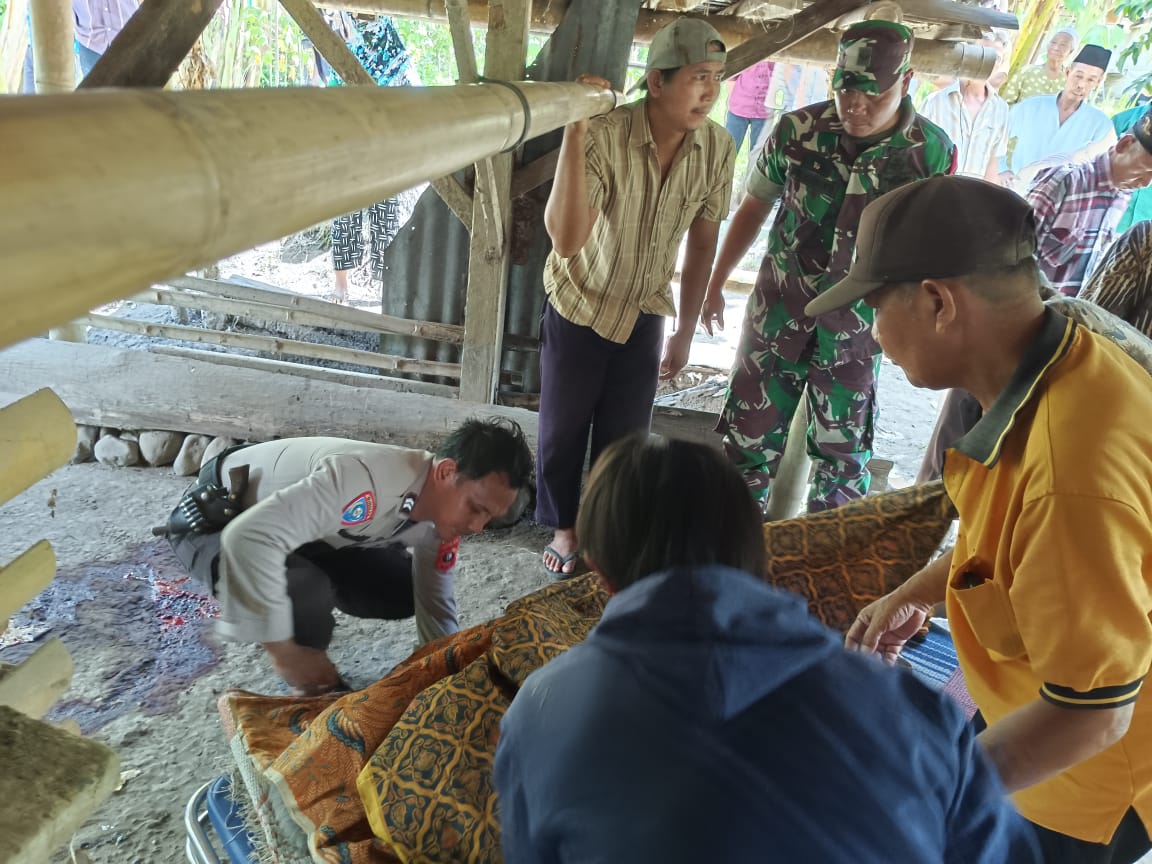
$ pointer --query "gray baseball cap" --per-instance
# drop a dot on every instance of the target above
(684, 42)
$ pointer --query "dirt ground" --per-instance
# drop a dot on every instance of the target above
(148, 668)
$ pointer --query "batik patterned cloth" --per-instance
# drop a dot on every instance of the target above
(401, 771)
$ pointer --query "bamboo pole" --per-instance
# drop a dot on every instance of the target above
(273, 345)
(37, 436)
(547, 15)
(53, 57)
(107, 192)
(24, 578)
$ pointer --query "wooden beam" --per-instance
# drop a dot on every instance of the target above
(334, 314)
(331, 47)
(787, 32)
(51, 783)
(152, 44)
(505, 54)
(458, 199)
(536, 173)
(304, 370)
(125, 389)
(37, 436)
(460, 29)
(271, 344)
(144, 390)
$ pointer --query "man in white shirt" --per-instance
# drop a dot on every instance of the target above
(976, 119)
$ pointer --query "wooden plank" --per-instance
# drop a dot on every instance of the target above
(536, 173)
(37, 436)
(152, 44)
(32, 687)
(787, 32)
(51, 783)
(331, 47)
(303, 370)
(274, 345)
(141, 390)
(504, 58)
(337, 315)
(460, 28)
(24, 578)
(458, 199)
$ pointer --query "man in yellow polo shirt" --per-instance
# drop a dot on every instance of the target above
(1049, 587)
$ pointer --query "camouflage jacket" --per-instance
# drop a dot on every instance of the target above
(824, 180)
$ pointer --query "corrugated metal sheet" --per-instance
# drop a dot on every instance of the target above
(426, 266)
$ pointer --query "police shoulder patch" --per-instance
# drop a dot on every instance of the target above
(446, 556)
(359, 510)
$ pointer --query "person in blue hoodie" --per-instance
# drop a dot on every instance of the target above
(708, 718)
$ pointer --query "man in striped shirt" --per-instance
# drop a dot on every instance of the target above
(1078, 206)
(629, 186)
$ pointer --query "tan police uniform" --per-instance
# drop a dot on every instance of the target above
(322, 518)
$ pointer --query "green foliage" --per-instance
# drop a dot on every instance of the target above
(1138, 17)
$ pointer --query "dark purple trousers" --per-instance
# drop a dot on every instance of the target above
(588, 384)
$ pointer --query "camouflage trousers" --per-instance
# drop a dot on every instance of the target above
(764, 392)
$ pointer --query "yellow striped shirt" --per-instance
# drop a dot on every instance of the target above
(627, 264)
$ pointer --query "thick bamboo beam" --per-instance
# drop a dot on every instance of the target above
(37, 436)
(52, 781)
(32, 687)
(24, 578)
(547, 14)
(106, 193)
(53, 58)
(152, 44)
(929, 57)
(786, 33)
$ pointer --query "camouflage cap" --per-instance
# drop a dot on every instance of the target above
(872, 57)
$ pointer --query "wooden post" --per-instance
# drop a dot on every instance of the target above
(53, 57)
(152, 44)
(504, 58)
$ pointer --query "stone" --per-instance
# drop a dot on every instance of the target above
(107, 430)
(129, 435)
(218, 446)
(191, 452)
(86, 438)
(110, 450)
(516, 511)
(160, 448)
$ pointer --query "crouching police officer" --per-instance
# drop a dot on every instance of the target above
(286, 531)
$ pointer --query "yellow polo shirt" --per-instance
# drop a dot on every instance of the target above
(627, 264)
(1050, 593)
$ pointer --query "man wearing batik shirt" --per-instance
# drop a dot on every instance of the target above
(824, 163)
(1079, 206)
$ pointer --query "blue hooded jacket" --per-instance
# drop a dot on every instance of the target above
(708, 718)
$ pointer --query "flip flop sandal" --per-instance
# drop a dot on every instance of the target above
(564, 562)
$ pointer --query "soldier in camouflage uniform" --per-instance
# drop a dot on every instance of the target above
(823, 163)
